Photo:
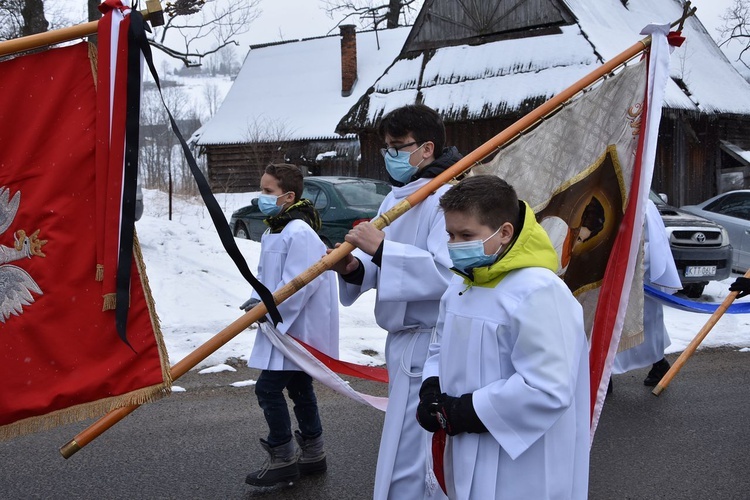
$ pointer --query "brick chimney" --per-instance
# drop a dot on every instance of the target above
(348, 58)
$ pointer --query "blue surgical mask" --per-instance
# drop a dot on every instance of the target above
(267, 204)
(399, 167)
(470, 254)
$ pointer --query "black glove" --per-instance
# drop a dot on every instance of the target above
(428, 403)
(249, 304)
(457, 415)
(742, 286)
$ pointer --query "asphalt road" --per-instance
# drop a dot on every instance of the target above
(689, 443)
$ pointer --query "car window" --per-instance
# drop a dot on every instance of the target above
(655, 198)
(363, 193)
(733, 205)
(317, 196)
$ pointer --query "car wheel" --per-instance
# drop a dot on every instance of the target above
(693, 290)
(241, 231)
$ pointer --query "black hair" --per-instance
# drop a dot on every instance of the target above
(488, 197)
(423, 122)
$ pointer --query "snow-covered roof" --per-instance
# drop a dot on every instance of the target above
(480, 80)
(292, 90)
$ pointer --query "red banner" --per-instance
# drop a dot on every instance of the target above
(61, 358)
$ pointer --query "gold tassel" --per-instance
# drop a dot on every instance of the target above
(110, 302)
(99, 272)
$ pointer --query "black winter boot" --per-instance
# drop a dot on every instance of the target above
(654, 376)
(313, 458)
(280, 467)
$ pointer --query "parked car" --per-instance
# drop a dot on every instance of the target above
(700, 247)
(138, 202)
(343, 202)
(732, 211)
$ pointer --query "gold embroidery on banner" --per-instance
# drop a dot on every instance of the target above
(16, 284)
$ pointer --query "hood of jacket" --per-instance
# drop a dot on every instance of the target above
(530, 248)
(303, 210)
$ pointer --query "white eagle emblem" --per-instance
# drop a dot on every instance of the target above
(16, 284)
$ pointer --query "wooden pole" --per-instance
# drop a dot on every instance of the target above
(690, 349)
(383, 220)
(153, 13)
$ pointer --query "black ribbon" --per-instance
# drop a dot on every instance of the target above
(129, 182)
(139, 43)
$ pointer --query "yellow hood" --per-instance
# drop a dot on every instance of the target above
(531, 248)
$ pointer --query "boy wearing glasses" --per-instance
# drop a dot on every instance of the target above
(408, 264)
(507, 378)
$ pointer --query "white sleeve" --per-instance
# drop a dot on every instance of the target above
(411, 273)
(432, 364)
(305, 249)
(349, 292)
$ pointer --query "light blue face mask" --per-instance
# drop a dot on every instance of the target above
(267, 204)
(470, 254)
(399, 167)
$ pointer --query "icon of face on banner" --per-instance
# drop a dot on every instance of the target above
(582, 220)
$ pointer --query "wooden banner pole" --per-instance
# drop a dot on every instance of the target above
(693, 345)
(153, 13)
(383, 220)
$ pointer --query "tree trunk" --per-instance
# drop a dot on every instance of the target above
(394, 10)
(94, 15)
(33, 18)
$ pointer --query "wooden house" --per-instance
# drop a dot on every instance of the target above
(483, 65)
(285, 103)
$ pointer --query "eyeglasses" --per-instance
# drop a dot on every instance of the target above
(393, 150)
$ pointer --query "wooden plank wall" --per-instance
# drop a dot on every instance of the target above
(237, 168)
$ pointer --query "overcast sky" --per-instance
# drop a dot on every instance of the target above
(285, 19)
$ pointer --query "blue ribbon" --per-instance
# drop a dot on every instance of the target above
(692, 306)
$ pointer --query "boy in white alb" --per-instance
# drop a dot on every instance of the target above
(409, 266)
(290, 246)
(508, 377)
(660, 272)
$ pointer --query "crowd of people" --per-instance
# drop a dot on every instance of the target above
(487, 398)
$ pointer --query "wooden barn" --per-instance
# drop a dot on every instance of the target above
(285, 103)
(483, 65)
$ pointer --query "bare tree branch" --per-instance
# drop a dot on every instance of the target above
(195, 29)
(736, 28)
(373, 13)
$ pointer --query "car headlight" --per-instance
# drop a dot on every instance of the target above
(724, 237)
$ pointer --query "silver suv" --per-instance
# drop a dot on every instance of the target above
(700, 247)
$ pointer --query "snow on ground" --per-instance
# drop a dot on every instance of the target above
(197, 290)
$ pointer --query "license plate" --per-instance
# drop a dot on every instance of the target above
(699, 271)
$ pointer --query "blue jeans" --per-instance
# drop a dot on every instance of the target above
(299, 386)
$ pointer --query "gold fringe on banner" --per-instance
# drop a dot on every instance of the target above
(100, 407)
(93, 57)
(155, 323)
(82, 412)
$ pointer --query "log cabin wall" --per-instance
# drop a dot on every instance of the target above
(237, 168)
(687, 159)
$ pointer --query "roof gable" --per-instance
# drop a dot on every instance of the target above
(487, 76)
(450, 22)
